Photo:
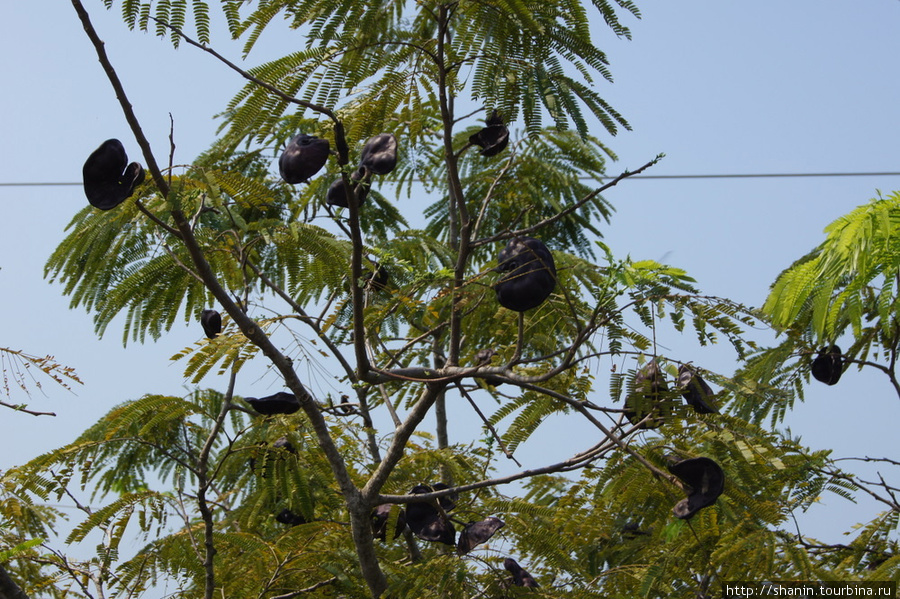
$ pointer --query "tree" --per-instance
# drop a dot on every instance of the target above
(16, 368)
(233, 502)
(843, 291)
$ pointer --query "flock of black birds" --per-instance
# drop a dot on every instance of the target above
(431, 521)
(651, 401)
(528, 280)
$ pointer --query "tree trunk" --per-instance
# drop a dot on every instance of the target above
(8, 588)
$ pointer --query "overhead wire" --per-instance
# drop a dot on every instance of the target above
(604, 178)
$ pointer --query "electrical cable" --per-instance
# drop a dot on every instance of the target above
(605, 178)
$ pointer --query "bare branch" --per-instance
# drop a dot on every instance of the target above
(308, 589)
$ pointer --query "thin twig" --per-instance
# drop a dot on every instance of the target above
(309, 589)
(487, 423)
(267, 86)
(563, 213)
(21, 408)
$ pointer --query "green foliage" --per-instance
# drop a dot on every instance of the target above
(528, 60)
(612, 532)
(228, 502)
(113, 262)
(541, 176)
(843, 291)
(849, 280)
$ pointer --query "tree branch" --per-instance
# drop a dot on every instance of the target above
(562, 214)
(8, 587)
(255, 80)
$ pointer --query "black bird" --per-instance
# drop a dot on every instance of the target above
(695, 391)
(288, 517)
(828, 366)
(649, 388)
(530, 274)
(379, 155)
(631, 530)
(493, 138)
(521, 577)
(424, 519)
(475, 533)
(337, 195)
(108, 177)
(378, 279)
(303, 157)
(211, 321)
(279, 403)
(285, 444)
(705, 480)
(380, 516)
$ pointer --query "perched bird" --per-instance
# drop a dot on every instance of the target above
(337, 195)
(377, 280)
(303, 157)
(211, 321)
(485, 355)
(380, 516)
(695, 391)
(647, 397)
(475, 533)
(108, 177)
(424, 519)
(631, 530)
(521, 577)
(285, 444)
(493, 138)
(379, 155)
(828, 366)
(530, 274)
(288, 517)
(705, 481)
(279, 403)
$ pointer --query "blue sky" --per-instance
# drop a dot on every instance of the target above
(807, 86)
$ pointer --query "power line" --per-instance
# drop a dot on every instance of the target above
(721, 176)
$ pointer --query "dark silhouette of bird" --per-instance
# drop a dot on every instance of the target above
(530, 274)
(303, 157)
(211, 321)
(705, 481)
(279, 403)
(493, 138)
(828, 366)
(288, 517)
(108, 177)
